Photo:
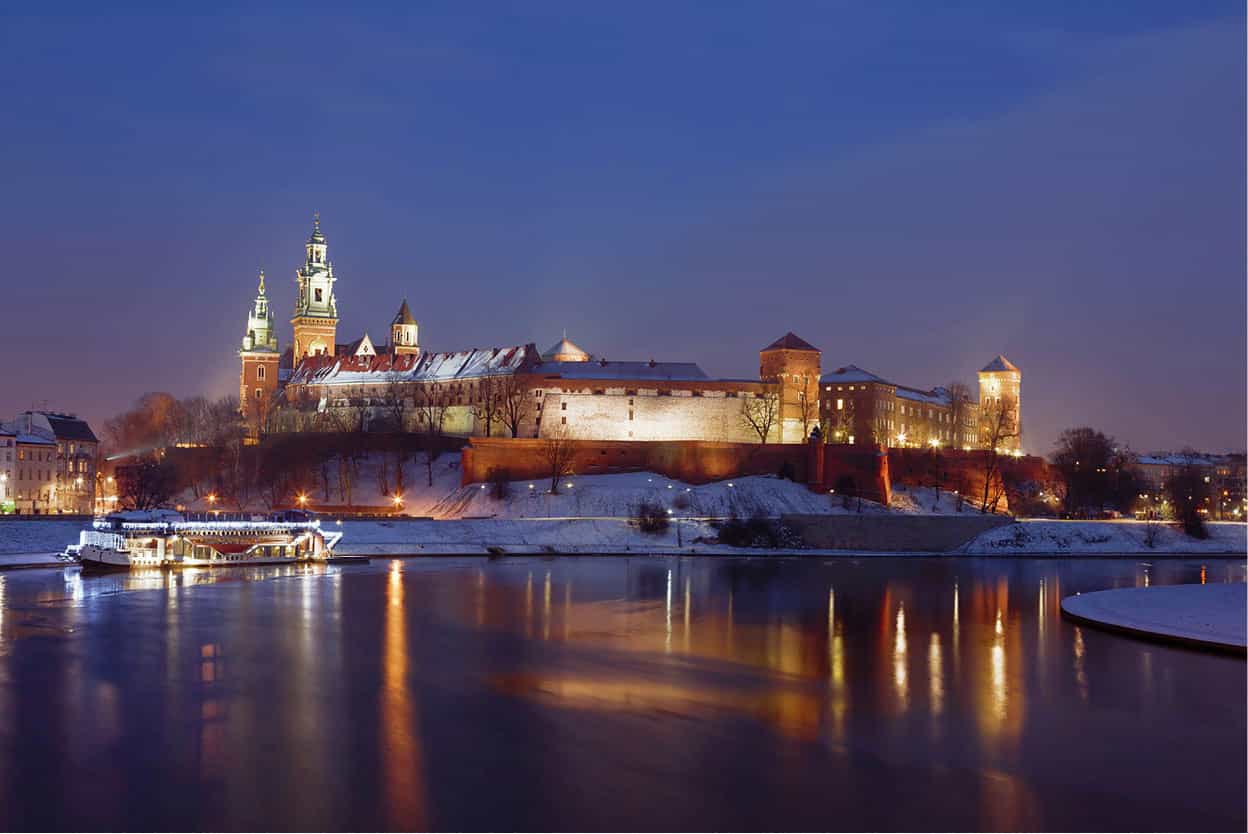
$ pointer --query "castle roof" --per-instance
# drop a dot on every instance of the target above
(852, 373)
(640, 371)
(564, 351)
(427, 367)
(999, 364)
(791, 341)
(404, 316)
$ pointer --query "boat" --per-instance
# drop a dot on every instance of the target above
(164, 538)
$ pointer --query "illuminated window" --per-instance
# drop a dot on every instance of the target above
(840, 405)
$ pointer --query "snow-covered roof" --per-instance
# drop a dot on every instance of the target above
(34, 439)
(937, 396)
(1179, 459)
(852, 373)
(999, 364)
(603, 369)
(427, 367)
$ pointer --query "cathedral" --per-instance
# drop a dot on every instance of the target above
(319, 383)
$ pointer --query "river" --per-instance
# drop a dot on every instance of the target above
(611, 693)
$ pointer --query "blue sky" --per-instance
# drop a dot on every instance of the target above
(911, 187)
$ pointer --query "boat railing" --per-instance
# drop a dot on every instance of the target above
(107, 541)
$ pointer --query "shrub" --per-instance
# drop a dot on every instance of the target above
(650, 517)
(757, 531)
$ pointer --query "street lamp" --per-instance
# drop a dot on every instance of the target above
(302, 499)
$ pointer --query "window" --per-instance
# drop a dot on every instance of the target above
(630, 414)
(563, 420)
(563, 406)
(259, 393)
(318, 294)
(840, 405)
(259, 372)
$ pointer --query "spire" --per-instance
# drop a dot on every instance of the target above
(404, 316)
(262, 283)
(317, 235)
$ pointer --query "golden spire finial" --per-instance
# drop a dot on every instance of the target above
(262, 282)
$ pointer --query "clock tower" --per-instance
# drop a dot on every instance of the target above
(316, 309)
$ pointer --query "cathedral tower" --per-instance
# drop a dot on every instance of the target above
(259, 356)
(316, 310)
(403, 333)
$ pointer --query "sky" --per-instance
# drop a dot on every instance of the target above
(912, 187)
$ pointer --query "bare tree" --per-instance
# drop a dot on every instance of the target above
(146, 484)
(430, 418)
(760, 413)
(959, 410)
(558, 451)
(514, 401)
(487, 408)
(841, 423)
(998, 424)
(807, 406)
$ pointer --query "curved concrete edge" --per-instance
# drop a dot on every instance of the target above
(1210, 617)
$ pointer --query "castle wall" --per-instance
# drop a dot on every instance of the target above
(690, 461)
(643, 414)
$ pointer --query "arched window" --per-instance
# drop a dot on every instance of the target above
(259, 372)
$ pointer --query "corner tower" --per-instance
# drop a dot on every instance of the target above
(259, 355)
(1000, 386)
(316, 310)
(793, 363)
(403, 333)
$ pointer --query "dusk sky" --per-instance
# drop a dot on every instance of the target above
(912, 187)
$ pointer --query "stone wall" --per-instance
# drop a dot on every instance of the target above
(892, 533)
(649, 414)
(690, 461)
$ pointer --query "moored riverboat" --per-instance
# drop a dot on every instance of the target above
(163, 538)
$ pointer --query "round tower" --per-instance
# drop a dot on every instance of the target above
(1001, 405)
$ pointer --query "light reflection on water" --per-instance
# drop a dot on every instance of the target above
(471, 693)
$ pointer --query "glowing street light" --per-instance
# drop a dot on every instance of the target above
(302, 499)
(211, 498)
(901, 437)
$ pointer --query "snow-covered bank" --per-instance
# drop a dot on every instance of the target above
(1204, 615)
(1106, 537)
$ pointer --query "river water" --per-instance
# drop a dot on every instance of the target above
(610, 693)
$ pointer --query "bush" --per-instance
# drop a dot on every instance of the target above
(500, 484)
(757, 531)
(650, 517)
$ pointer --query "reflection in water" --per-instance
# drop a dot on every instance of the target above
(899, 658)
(400, 742)
(288, 697)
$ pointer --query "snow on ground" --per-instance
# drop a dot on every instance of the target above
(618, 495)
(1206, 614)
(1090, 537)
(925, 501)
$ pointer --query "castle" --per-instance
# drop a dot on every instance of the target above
(319, 383)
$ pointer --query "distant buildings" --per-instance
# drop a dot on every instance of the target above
(1226, 476)
(48, 464)
(320, 384)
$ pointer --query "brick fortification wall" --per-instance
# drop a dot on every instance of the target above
(692, 461)
(821, 467)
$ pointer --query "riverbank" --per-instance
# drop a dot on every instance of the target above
(34, 544)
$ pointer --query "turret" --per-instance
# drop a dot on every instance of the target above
(1000, 404)
(403, 332)
(792, 364)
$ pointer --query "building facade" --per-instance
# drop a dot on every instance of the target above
(48, 464)
(322, 385)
